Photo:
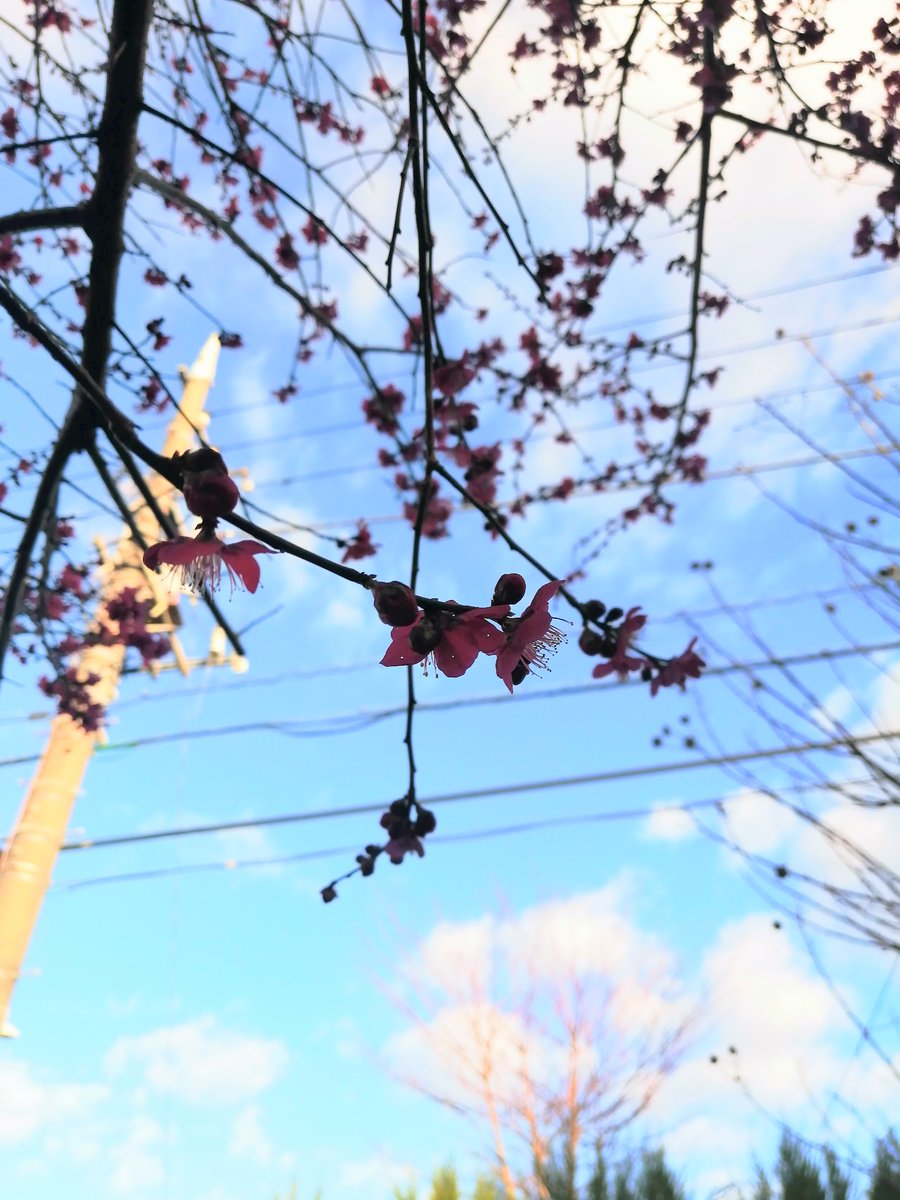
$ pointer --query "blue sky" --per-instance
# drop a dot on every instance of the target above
(218, 1033)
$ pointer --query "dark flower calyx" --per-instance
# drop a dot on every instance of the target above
(204, 459)
(425, 636)
(519, 672)
(614, 614)
(329, 893)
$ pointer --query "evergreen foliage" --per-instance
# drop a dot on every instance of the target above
(885, 1181)
(798, 1175)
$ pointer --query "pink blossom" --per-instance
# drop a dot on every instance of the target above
(452, 640)
(621, 661)
(201, 560)
(687, 665)
(531, 638)
(396, 848)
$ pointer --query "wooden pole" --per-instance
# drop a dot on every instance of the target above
(30, 855)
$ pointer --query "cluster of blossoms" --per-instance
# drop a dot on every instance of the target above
(451, 636)
(209, 493)
(614, 641)
(406, 823)
(124, 623)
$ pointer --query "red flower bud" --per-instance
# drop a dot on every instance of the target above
(591, 643)
(209, 491)
(395, 603)
(509, 590)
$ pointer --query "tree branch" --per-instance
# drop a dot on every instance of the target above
(67, 216)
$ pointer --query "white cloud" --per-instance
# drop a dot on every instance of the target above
(516, 1005)
(32, 1101)
(200, 1062)
(668, 824)
(757, 823)
(136, 1169)
(379, 1170)
(248, 1138)
(771, 1021)
(583, 935)
(346, 613)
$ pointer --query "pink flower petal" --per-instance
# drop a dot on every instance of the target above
(455, 652)
(399, 653)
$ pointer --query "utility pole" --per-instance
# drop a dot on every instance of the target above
(30, 855)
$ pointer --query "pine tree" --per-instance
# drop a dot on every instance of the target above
(622, 1185)
(445, 1184)
(487, 1188)
(885, 1181)
(655, 1180)
(762, 1189)
(796, 1172)
(838, 1182)
(598, 1185)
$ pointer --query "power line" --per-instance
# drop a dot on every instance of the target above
(810, 460)
(634, 323)
(358, 719)
(249, 681)
(610, 815)
(485, 792)
(345, 426)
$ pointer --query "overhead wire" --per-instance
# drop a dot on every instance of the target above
(633, 323)
(519, 827)
(611, 776)
(724, 352)
(353, 721)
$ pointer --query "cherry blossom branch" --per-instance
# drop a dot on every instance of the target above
(869, 153)
(116, 140)
(116, 148)
(66, 216)
(705, 137)
(395, 231)
(18, 576)
(432, 100)
(162, 518)
(233, 156)
(181, 199)
(39, 143)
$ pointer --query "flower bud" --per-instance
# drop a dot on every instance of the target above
(329, 893)
(509, 590)
(425, 822)
(593, 610)
(366, 864)
(209, 491)
(395, 603)
(614, 614)
(211, 497)
(590, 642)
